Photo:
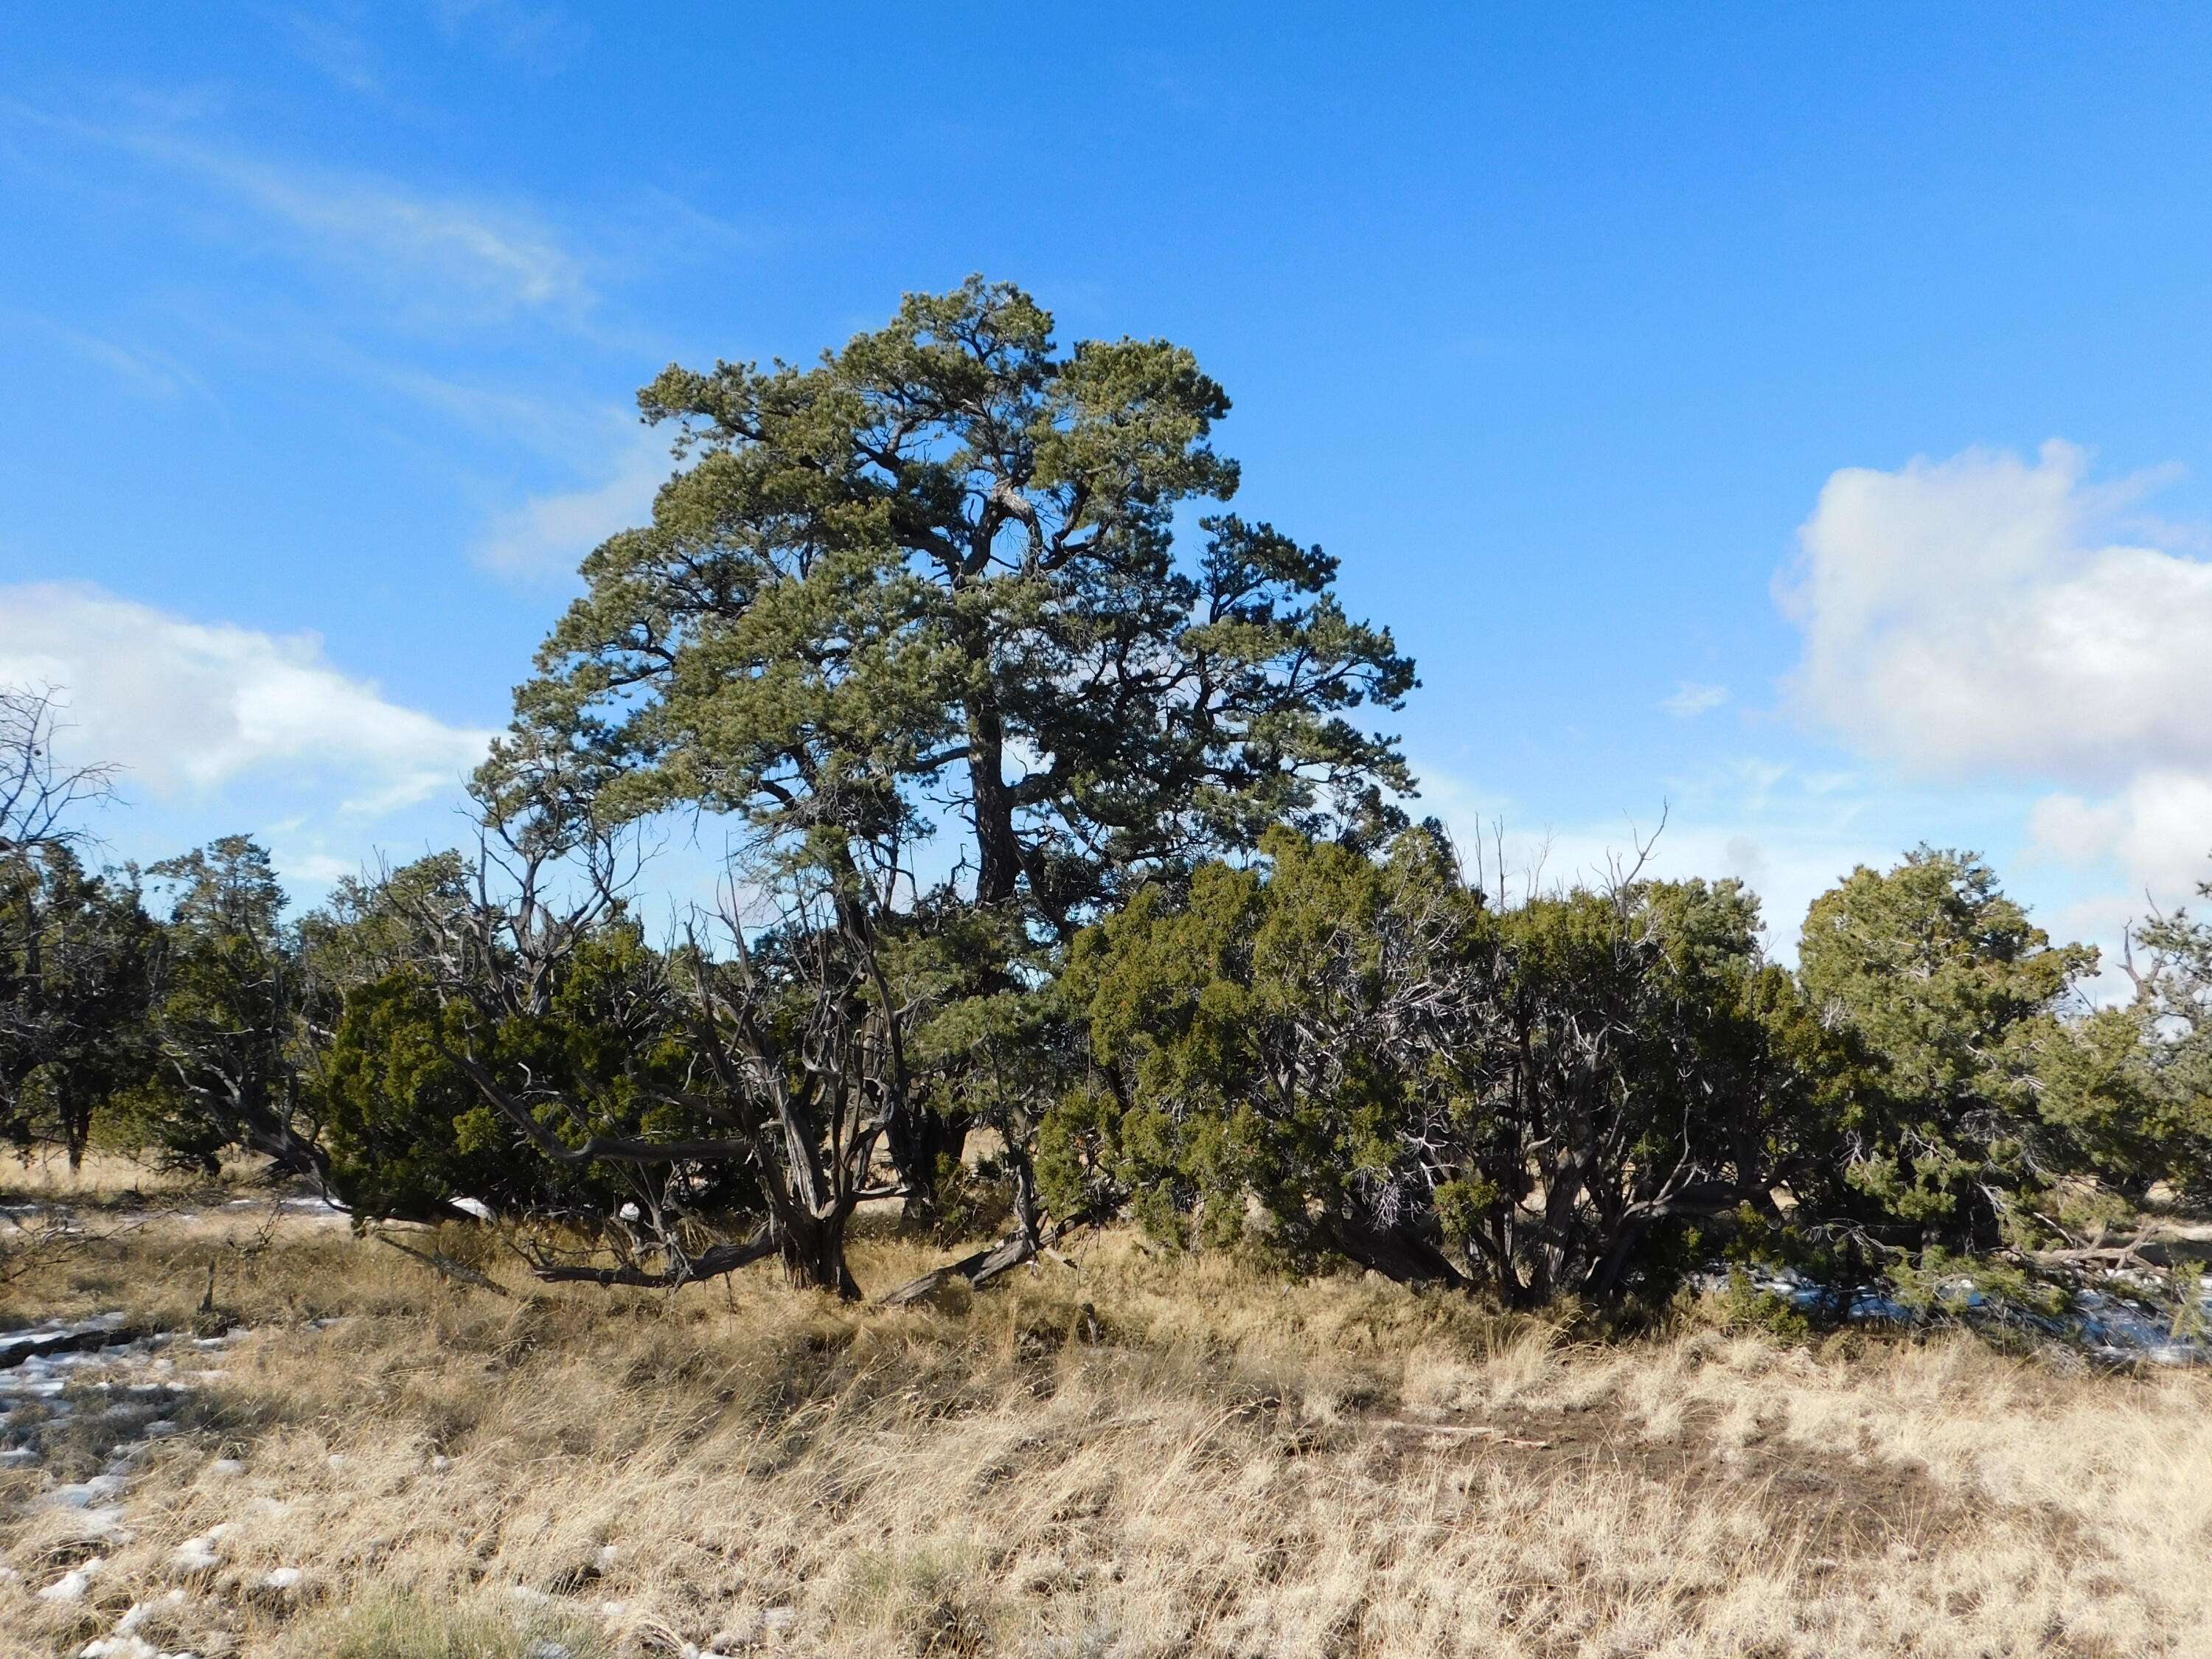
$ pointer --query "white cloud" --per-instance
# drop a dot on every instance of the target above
(1963, 618)
(189, 708)
(547, 534)
(1972, 619)
(1691, 699)
(2159, 829)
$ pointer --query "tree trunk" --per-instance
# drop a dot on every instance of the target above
(998, 856)
(1402, 1252)
(814, 1255)
(262, 1128)
(75, 1119)
(921, 1141)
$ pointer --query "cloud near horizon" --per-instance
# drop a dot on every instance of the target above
(1971, 618)
(188, 709)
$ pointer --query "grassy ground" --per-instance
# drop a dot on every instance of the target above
(1141, 1457)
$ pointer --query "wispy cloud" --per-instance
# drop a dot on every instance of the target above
(438, 258)
(333, 46)
(492, 260)
(141, 370)
(539, 37)
(547, 534)
(1691, 699)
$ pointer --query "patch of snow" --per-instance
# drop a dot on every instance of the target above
(141, 1611)
(82, 1494)
(2119, 1322)
(104, 1523)
(72, 1585)
(196, 1554)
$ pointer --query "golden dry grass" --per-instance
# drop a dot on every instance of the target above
(1142, 1458)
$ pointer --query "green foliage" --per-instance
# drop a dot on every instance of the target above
(931, 583)
(77, 958)
(235, 1015)
(1634, 1091)
(2165, 1079)
(1347, 1055)
(1269, 1036)
(1941, 1281)
(1950, 998)
(944, 543)
(410, 1128)
(1743, 1305)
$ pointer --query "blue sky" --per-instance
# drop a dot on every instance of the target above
(1681, 383)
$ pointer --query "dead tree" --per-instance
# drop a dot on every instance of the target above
(39, 796)
(63, 963)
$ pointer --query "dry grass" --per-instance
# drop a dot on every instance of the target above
(1145, 1458)
(108, 1182)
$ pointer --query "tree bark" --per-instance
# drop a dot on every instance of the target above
(921, 1139)
(998, 855)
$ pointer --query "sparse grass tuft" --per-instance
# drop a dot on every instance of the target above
(387, 1624)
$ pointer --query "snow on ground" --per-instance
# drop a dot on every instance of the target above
(57, 1377)
(2123, 1323)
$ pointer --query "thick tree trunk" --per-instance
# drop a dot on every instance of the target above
(998, 855)
(1405, 1253)
(263, 1128)
(814, 1255)
(921, 1142)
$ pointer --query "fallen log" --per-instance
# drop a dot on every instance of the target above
(683, 1270)
(1473, 1430)
(458, 1272)
(979, 1270)
(77, 1339)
